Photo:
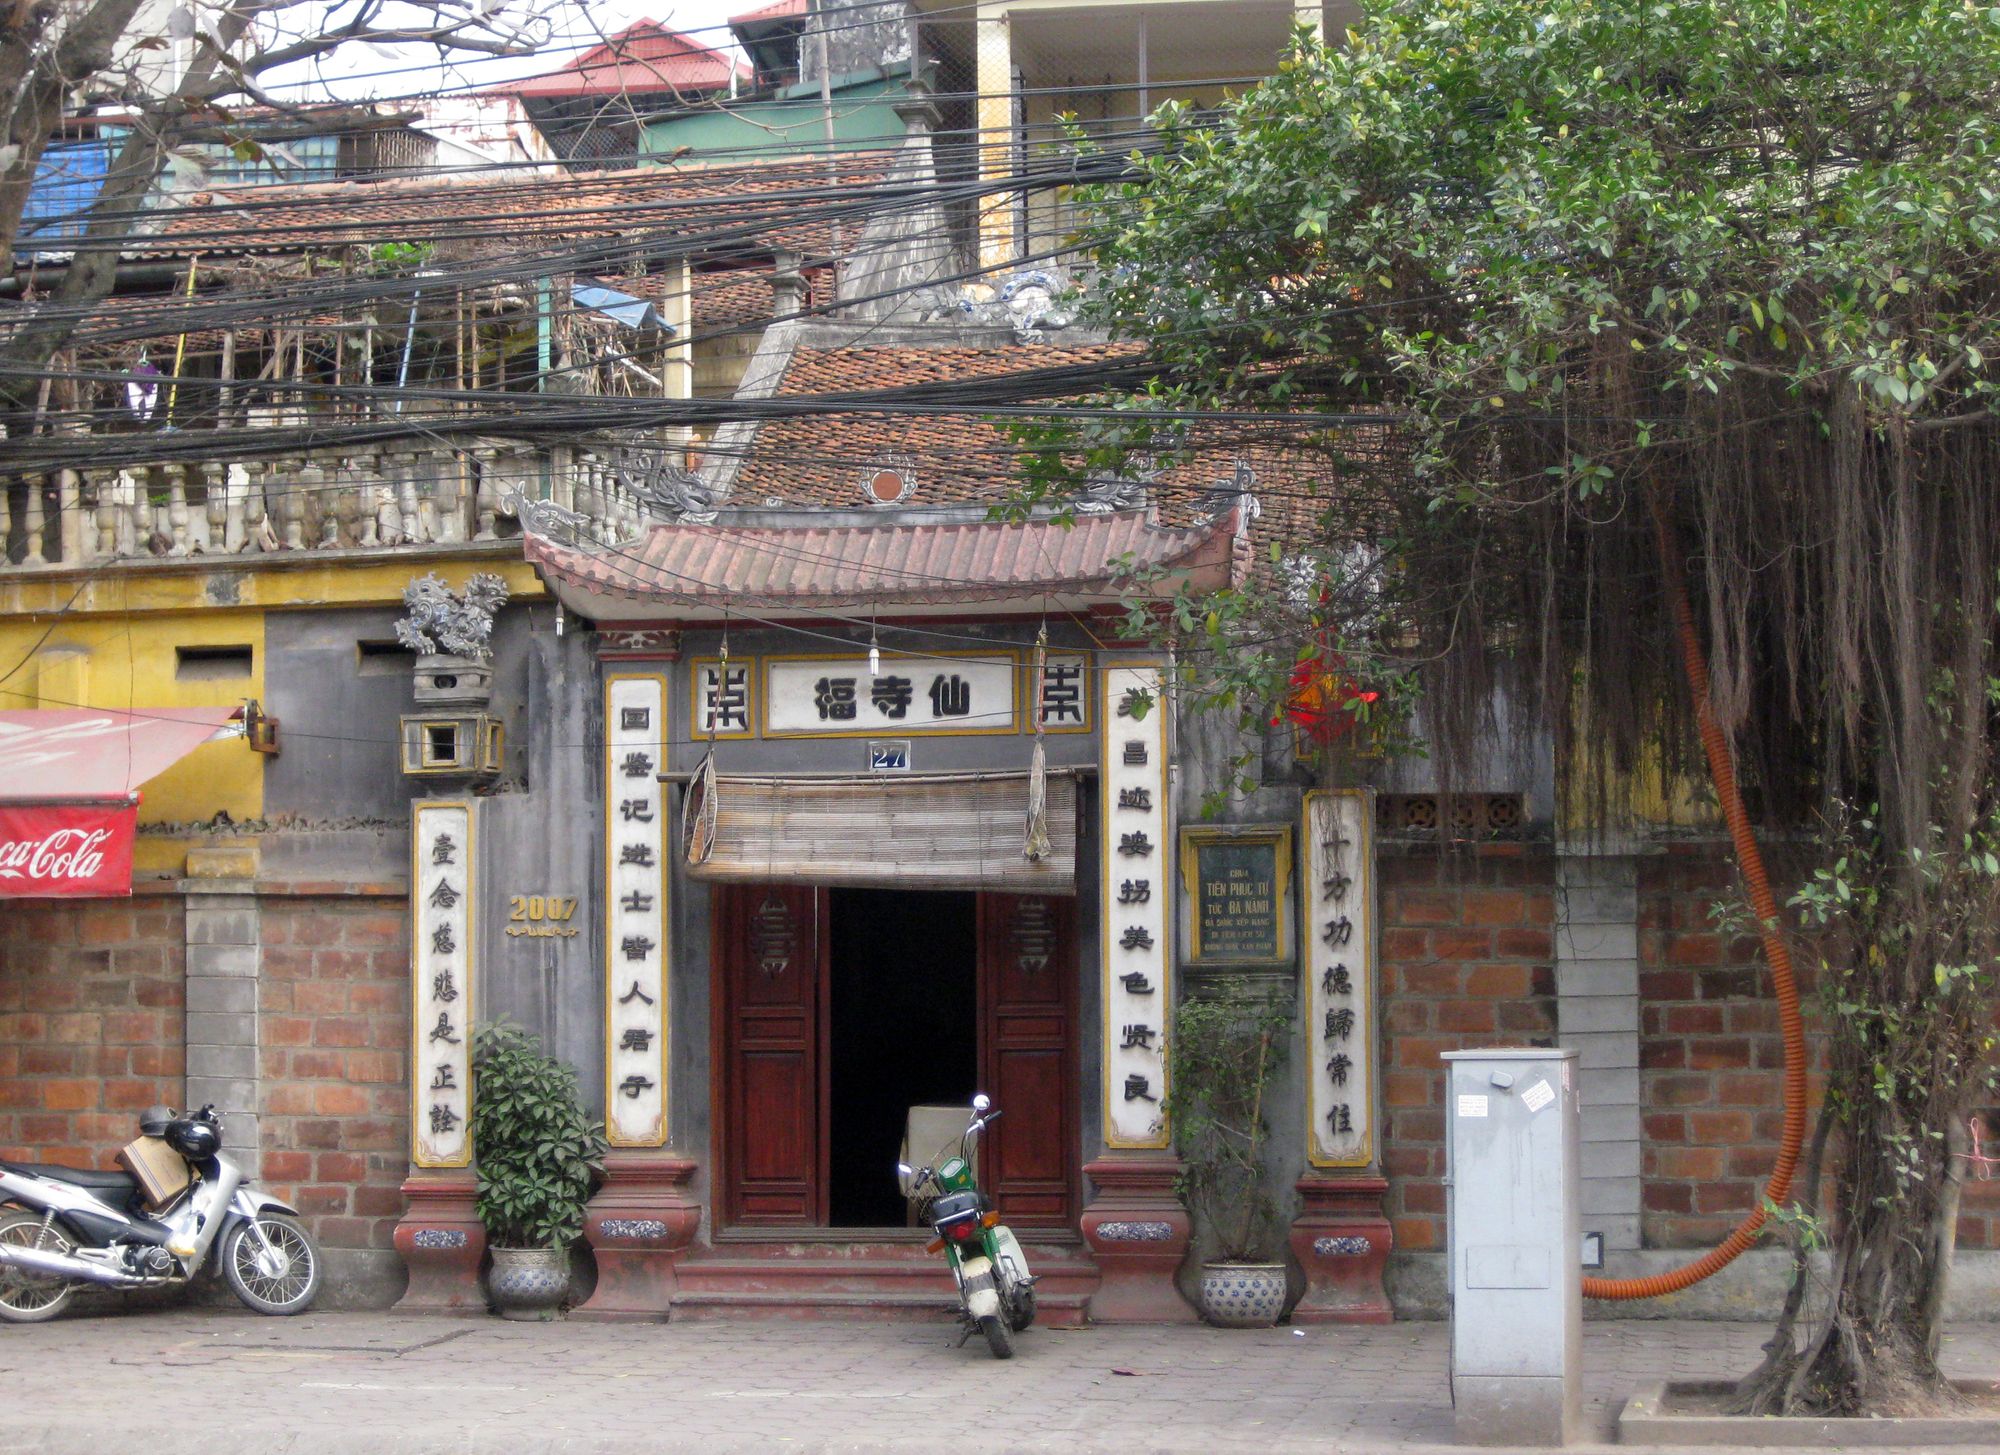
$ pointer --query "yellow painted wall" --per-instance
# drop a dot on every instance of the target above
(128, 663)
(111, 643)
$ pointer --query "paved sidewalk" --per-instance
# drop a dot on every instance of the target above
(210, 1382)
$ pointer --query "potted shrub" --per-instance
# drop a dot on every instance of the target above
(1223, 1055)
(537, 1151)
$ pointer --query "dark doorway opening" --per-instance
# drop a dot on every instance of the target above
(903, 1032)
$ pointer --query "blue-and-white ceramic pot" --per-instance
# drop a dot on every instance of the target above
(528, 1283)
(1242, 1295)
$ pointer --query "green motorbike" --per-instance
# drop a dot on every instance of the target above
(996, 1293)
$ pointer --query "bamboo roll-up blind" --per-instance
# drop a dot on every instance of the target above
(911, 833)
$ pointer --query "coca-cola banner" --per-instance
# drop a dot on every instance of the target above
(74, 852)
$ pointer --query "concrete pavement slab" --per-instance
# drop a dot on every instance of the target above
(221, 1382)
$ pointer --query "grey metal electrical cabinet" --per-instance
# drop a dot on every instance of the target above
(1516, 1245)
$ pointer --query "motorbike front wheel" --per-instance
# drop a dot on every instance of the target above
(282, 1279)
(29, 1298)
(999, 1338)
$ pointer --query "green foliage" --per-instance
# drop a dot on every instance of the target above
(536, 1147)
(1222, 1057)
(1574, 250)
(392, 256)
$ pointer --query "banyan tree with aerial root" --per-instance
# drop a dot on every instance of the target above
(1682, 319)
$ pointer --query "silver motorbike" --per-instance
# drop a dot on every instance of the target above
(181, 1207)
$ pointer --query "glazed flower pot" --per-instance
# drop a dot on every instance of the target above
(528, 1283)
(1242, 1295)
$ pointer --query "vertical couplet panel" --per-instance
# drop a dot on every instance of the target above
(1339, 897)
(636, 924)
(1136, 885)
(441, 983)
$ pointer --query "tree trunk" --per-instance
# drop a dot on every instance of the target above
(1873, 1349)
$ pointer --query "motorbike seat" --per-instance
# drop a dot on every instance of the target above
(83, 1177)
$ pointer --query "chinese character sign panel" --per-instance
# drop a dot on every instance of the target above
(722, 703)
(1339, 895)
(1137, 891)
(441, 966)
(636, 923)
(827, 696)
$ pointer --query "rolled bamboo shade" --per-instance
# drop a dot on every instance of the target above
(957, 831)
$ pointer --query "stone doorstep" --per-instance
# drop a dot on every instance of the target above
(1648, 1419)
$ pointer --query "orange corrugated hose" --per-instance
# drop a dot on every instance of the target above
(1751, 862)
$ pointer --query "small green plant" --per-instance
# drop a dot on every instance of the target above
(536, 1146)
(1222, 1056)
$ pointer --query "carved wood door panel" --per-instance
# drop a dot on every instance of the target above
(1027, 1056)
(770, 1012)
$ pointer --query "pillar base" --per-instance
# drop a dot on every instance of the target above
(638, 1225)
(442, 1243)
(1138, 1232)
(1342, 1240)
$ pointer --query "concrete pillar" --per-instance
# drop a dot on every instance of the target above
(222, 1046)
(998, 146)
(1597, 1016)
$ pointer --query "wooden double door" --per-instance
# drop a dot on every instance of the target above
(774, 1054)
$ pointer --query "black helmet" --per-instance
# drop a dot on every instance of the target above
(193, 1138)
(153, 1121)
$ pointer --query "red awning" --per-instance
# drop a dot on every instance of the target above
(97, 755)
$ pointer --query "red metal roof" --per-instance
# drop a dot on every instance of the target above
(836, 565)
(643, 59)
(782, 10)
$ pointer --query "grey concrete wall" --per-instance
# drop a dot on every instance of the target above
(1597, 1013)
(339, 712)
(222, 1041)
(540, 833)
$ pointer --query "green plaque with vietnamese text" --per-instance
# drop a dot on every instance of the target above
(1238, 885)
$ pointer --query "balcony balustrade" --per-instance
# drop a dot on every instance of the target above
(323, 502)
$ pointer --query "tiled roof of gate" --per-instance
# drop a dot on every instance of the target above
(811, 566)
(751, 207)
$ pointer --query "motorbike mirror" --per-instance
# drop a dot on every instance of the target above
(981, 1102)
(906, 1169)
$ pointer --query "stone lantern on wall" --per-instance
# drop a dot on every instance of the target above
(452, 734)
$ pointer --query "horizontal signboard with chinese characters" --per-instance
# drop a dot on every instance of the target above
(893, 696)
(69, 852)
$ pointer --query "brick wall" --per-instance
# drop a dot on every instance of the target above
(1711, 1056)
(91, 1009)
(334, 1027)
(1467, 960)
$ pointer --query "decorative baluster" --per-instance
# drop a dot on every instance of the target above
(235, 488)
(34, 521)
(139, 510)
(336, 522)
(306, 484)
(562, 477)
(73, 528)
(177, 508)
(486, 488)
(257, 532)
(410, 502)
(215, 507)
(368, 498)
(108, 488)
